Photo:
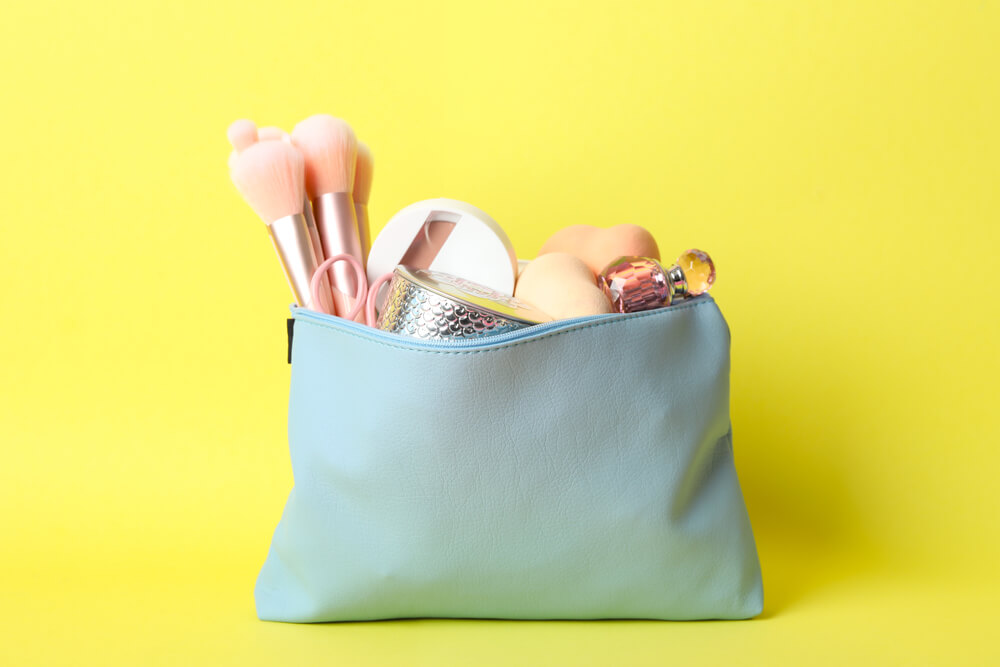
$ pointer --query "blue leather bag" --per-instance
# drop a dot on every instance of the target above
(579, 469)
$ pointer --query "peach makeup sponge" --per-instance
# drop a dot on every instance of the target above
(597, 247)
(561, 285)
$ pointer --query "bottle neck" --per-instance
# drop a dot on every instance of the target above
(677, 280)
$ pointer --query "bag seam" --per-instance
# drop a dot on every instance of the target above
(582, 327)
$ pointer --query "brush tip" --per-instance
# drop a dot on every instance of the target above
(272, 133)
(330, 150)
(271, 177)
(241, 134)
(363, 174)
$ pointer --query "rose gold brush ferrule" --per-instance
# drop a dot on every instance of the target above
(307, 213)
(364, 231)
(338, 231)
(290, 236)
(317, 244)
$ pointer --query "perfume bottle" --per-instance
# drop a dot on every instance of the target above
(633, 284)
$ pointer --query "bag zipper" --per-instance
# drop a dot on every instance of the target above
(526, 333)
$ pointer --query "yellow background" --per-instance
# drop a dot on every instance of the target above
(839, 161)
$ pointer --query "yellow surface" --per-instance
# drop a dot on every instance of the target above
(839, 161)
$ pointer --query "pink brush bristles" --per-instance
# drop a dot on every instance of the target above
(242, 133)
(330, 150)
(270, 175)
(272, 133)
(363, 174)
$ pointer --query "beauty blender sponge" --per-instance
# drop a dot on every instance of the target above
(597, 247)
(562, 286)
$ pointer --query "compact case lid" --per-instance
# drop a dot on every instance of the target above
(474, 247)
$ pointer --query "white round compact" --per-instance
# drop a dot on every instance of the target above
(448, 236)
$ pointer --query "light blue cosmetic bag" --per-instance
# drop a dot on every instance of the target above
(580, 469)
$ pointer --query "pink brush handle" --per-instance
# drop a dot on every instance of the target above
(373, 295)
(359, 272)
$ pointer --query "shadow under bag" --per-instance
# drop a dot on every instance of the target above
(579, 469)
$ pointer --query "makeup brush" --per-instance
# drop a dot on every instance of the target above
(270, 175)
(272, 133)
(330, 151)
(362, 191)
(243, 133)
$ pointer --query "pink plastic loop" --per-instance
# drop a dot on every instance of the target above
(359, 272)
(370, 317)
